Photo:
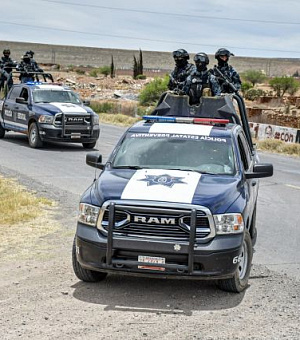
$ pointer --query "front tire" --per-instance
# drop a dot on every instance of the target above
(239, 281)
(34, 136)
(89, 145)
(83, 274)
(2, 131)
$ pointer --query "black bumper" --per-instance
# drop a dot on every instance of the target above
(212, 260)
(51, 133)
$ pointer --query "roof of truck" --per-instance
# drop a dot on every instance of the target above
(153, 125)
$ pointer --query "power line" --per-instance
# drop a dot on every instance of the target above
(142, 39)
(274, 22)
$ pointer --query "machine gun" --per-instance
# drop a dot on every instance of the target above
(225, 79)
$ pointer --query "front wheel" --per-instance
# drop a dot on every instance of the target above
(89, 145)
(239, 281)
(82, 273)
(2, 131)
(34, 137)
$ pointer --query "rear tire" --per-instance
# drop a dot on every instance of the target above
(85, 275)
(239, 281)
(2, 131)
(89, 145)
(34, 137)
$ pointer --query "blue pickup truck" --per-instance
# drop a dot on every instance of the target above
(48, 112)
(176, 198)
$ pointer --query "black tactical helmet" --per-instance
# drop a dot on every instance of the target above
(201, 58)
(223, 51)
(6, 51)
(26, 57)
(30, 53)
(181, 54)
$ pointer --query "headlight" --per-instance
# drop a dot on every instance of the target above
(88, 214)
(229, 223)
(46, 119)
(95, 119)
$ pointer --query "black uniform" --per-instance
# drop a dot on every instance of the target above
(181, 71)
(6, 67)
(200, 79)
(27, 69)
(227, 70)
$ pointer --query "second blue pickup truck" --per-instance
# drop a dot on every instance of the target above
(48, 112)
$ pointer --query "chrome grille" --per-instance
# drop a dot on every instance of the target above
(73, 120)
(154, 222)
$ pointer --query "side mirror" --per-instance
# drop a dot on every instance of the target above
(260, 170)
(94, 159)
(21, 100)
(86, 102)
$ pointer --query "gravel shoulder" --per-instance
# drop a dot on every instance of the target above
(40, 297)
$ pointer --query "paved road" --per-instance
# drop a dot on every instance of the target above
(63, 167)
(40, 297)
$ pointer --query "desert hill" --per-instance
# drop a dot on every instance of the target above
(123, 59)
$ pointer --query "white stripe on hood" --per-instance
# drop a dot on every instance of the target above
(150, 184)
(69, 107)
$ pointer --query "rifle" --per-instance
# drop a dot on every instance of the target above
(227, 81)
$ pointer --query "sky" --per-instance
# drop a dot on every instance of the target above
(254, 28)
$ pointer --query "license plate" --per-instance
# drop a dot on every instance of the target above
(75, 135)
(151, 259)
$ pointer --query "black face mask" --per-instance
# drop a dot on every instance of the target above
(222, 63)
(201, 67)
(180, 62)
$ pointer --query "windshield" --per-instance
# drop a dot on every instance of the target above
(163, 151)
(58, 96)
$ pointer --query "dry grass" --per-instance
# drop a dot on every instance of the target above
(278, 146)
(16, 204)
(25, 220)
(118, 119)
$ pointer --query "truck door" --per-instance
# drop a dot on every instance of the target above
(10, 107)
(22, 111)
(251, 185)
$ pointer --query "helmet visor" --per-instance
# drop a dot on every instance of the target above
(200, 59)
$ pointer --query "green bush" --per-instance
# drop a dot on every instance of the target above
(253, 94)
(141, 76)
(79, 71)
(281, 85)
(152, 91)
(253, 76)
(94, 73)
(106, 107)
(105, 70)
(246, 86)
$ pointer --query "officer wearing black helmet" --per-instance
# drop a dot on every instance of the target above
(181, 71)
(200, 79)
(31, 54)
(6, 67)
(27, 69)
(222, 55)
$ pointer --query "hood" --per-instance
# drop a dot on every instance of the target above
(214, 192)
(67, 108)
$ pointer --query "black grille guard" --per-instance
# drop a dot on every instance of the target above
(112, 262)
